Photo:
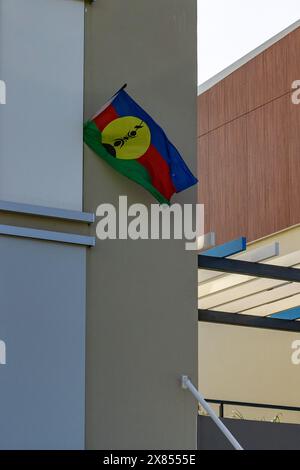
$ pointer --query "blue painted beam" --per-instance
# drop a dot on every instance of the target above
(290, 314)
(228, 249)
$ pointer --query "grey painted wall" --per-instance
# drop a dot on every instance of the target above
(41, 62)
(141, 295)
(42, 322)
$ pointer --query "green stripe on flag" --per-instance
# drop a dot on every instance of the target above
(130, 168)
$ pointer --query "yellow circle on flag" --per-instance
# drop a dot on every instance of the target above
(126, 137)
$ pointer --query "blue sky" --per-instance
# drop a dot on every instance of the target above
(229, 29)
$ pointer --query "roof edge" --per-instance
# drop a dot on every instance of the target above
(246, 58)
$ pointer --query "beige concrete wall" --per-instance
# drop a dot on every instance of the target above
(249, 364)
(141, 295)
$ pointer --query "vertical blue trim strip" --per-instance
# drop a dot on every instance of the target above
(228, 249)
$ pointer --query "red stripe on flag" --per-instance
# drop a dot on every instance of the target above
(159, 171)
(104, 118)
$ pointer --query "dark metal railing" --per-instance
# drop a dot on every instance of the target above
(221, 404)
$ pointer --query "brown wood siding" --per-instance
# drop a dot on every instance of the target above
(235, 90)
(216, 106)
(293, 56)
(202, 109)
(203, 188)
(249, 146)
(294, 162)
(268, 166)
(227, 178)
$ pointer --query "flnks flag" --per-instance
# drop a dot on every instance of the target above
(127, 138)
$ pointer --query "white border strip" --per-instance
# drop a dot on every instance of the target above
(246, 58)
(42, 211)
(47, 235)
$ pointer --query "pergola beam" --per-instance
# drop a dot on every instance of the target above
(247, 268)
(251, 321)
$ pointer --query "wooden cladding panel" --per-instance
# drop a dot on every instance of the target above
(216, 109)
(228, 99)
(294, 162)
(268, 166)
(249, 171)
(251, 158)
(202, 103)
(275, 71)
(259, 81)
(235, 90)
(267, 75)
(218, 186)
(255, 78)
(203, 185)
(293, 56)
(228, 180)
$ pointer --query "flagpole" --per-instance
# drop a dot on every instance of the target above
(108, 102)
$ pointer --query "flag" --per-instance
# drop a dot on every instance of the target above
(129, 140)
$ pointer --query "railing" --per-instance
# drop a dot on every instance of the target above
(221, 404)
(187, 385)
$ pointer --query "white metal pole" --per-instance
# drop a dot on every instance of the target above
(187, 384)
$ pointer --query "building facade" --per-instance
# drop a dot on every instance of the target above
(95, 334)
(248, 163)
(249, 144)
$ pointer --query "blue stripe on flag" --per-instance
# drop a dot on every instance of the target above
(180, 173)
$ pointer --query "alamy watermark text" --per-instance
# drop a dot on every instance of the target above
(159, 222)
(2, 92)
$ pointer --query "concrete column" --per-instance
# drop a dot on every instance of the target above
(141, 295)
